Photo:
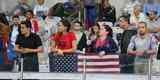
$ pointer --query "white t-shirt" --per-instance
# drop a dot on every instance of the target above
(40, 10)
(135, 19)
(14, 35)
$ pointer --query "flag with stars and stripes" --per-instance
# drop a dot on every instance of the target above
(96, 63)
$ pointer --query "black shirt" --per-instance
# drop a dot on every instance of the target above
(108, 14)
(125, 40)
(33, 41)
(30, 60)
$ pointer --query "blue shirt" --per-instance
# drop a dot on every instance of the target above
(147, 7)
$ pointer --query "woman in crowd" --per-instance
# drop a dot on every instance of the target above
(3, 19)
(63, 48)
(137, 15)
(5, 64)
(91, 37)
(104, 44)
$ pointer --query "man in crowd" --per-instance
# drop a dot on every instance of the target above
(153, 21)
(129, 31)
(143, 46)
(28, 45)
(151, 5)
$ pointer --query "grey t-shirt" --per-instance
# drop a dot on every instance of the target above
(153, 24)
(146, 43)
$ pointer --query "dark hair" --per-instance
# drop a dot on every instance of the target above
(4, 30)
(155, 12)
(66, 23)
(78, 23)
(125, 18)
(26, 23)
(15, 16)
(56, 9)
(3, 19)
(30, 11)
(92, 31)
(109, 29)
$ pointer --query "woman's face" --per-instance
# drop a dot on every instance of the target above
(95, 29)
(136, 10)
(61, 27)
(102, 32)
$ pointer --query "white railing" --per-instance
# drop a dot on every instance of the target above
(75, 76)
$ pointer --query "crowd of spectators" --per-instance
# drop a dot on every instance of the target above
(41, 29)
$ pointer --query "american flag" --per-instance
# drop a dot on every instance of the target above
(100, 64)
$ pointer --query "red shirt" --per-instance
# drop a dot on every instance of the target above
(64, 41)
(35, 25)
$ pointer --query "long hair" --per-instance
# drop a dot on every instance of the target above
(66, 24)
(56, 10)
(109, 29)
(4, 35)
(4, 31)
(92, 30)
(3, 19)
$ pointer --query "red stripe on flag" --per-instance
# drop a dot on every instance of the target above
(99, 60)
(96, 63)
(103, 66)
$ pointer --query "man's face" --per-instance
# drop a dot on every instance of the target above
(24, 29)
(29, 15)
(16, 20)
(122, 23)
(152, 15)
(142, 29)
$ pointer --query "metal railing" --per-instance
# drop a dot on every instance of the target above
(79, 76)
